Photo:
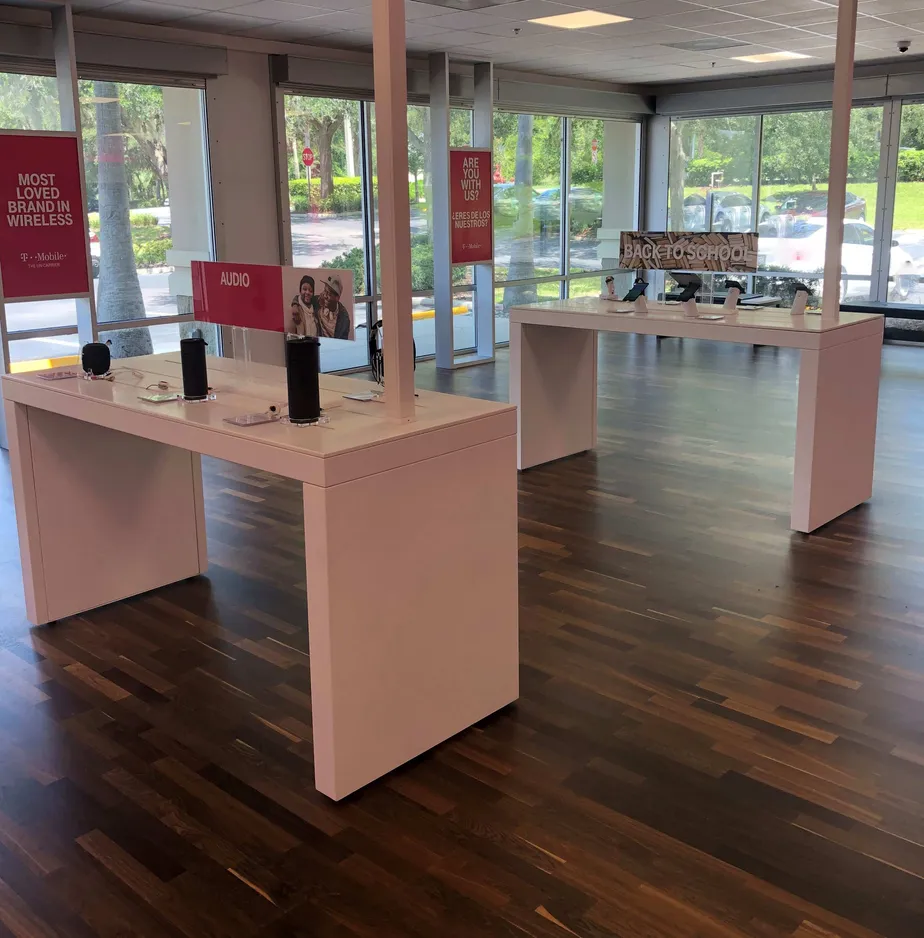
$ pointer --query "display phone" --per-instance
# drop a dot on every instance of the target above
(364, 396)
(734, 285)
(689, 292)
(711, 317)
(252, 420)
(638, 289)
(59, 375)
(157, 398)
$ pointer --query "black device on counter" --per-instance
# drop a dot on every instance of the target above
(638, 289)
(195, 373)
(95, 359)
(801, 286)
(303, 367)
(734, 285)
(376, 358)
(689, 284)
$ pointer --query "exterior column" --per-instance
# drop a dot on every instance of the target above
(840, 138)
(189, 214)
(620, 196)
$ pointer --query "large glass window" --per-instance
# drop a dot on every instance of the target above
(712, 182)
(907, 250)
(716, 185)
(527, 207)
(326, 200)
(795, 163)
(149, 212)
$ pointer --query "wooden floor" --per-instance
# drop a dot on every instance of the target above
(721, 729)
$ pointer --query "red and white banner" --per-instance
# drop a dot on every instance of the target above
(471, 206)
(43, 231)
(296, 300)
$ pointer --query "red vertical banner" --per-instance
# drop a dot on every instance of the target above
(471, 206)
(43, 231)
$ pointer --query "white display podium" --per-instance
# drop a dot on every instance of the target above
(553, 382)
(405, 650)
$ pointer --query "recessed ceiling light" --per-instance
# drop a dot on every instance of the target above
(771, 57)
(581, 19)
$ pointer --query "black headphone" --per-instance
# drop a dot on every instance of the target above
(376, 359)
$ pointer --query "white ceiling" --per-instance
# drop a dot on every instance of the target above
(636, 51)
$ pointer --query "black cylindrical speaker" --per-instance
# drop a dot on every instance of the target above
(195, 375)
(95, 358)
(303, 363)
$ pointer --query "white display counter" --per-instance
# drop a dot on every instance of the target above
(406, 649)
(553, 382)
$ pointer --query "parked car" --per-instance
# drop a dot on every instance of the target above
(586, 206)
(804, 252)
(815, 205)
(505, 199)
(94, 252)
(730, 211)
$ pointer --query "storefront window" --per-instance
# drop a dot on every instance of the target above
(527, 203)
(712, 164)
(907, 254)
(149, 212)
(795, 163)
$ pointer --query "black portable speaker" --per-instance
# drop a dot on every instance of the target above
(95, 359)
(303, 364)
(195, 374)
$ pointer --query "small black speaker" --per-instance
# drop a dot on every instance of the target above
(195, 375)
(95, 358)
(303, 364)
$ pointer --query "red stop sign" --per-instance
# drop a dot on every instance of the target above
(308, 156)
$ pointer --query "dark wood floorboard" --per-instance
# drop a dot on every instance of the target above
(720, 734)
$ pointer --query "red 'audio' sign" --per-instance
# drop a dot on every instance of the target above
(471, 206)
(43, 232)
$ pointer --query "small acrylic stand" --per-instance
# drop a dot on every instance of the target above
(731, 300)
(240, 344)
(798, 303)
(641, 304)
(689, 307)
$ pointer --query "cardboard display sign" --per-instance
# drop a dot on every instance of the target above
(43, 231)
(298, 300)
(471, 206)
(677, 250)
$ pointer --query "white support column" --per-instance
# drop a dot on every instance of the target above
(439, 208)
(62, 34)
(483, 137)
(840, 139)
(190, 231)
(390, 76)
(620, 194)
(890, 137)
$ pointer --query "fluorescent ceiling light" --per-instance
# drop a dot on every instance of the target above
(581, 19)
(771, 57)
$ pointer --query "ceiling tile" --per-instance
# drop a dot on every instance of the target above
(147, 11)
(279, 11)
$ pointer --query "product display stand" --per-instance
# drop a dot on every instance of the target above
(424, 647)
(553, 382)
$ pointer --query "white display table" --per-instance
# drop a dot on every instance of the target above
(410, 534)
(553, 382)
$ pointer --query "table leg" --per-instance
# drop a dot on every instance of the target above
(553, 382)
(835, 431)
(102, 515)
(412, 609)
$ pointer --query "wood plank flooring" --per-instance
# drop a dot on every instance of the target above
(720, 735)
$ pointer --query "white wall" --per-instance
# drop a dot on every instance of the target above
(239, 107)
